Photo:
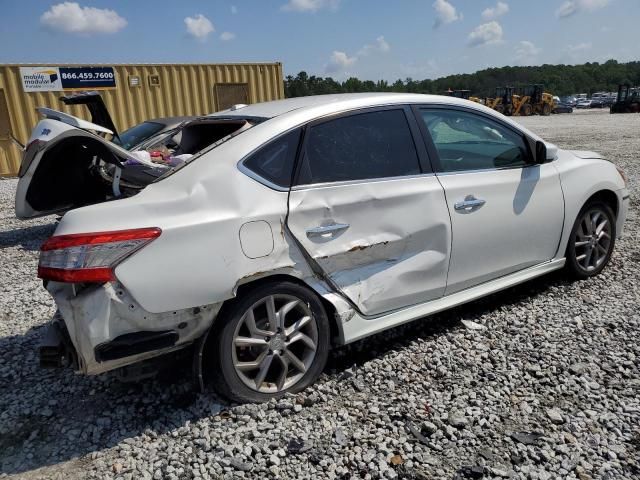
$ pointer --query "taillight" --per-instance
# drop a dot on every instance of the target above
(90, 257)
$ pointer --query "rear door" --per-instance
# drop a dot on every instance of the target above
(506, 212)
(369, 212)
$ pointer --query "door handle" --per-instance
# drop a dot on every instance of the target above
(326, 231)
(469, 204)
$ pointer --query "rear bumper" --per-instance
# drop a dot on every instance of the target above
(102, 328)
(56, 349)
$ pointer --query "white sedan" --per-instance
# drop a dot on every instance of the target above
(298, 225)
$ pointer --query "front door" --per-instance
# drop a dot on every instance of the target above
(366, 213)
(506, 212)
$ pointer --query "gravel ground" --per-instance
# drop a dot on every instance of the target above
(542, 384)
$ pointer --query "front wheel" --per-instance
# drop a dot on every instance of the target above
(592, 240)
(273, 340)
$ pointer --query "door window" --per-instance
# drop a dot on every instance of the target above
(466, 141)
(362, 146)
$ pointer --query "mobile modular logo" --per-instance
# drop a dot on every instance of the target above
(40, 79)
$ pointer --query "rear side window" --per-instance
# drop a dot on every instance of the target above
(274, 161)
(358, 147)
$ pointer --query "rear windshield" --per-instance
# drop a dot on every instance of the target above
(137, 134)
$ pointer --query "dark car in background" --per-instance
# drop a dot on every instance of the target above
(138, 134)
(562, 108)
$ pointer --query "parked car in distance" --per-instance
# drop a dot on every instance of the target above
(305, 231)
(583, 103)
(562, 108)
(569, 100)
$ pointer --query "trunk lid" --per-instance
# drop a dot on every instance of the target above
(94, 103)
(62, 166)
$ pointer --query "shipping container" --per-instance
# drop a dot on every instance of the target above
(132, 92)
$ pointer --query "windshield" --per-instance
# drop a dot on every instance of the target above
(138, 133)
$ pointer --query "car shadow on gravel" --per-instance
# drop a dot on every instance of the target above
(354, 355)
(29, 238)
(52, 416)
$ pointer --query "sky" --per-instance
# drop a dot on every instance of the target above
(369, 39)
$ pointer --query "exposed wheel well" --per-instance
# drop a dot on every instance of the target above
(608, 197)
(331, 311)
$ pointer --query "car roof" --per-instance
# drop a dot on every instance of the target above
(339, 102)
(283, 115)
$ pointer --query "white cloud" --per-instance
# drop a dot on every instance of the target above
(380, 46)
(199, 26)
(445, 13)
(69, 17)
(234, 9)
(226, 36)
(580, 47)
(339, 61)
(571, 7)
(309, 5)
(526, 50)
(494, 12)
(579, 53)
(486, 34)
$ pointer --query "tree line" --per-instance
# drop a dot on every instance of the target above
(557, 79)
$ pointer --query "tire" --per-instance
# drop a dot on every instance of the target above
(264, 352)
(587, 256)
(546, 110)
(526, 110)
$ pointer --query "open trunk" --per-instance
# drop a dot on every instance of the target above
(67, 164)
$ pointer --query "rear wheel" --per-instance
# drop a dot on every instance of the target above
(592, 240)
(546, 110)
(273, 340)
(526, 110)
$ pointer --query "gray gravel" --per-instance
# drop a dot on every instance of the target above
(547, 389)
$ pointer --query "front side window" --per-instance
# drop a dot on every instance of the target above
(274, 161)
(358, 147)
(466, 141)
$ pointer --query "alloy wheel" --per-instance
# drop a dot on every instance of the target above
(274, 343)
(592, 239)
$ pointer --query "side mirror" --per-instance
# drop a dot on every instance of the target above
(541, 153)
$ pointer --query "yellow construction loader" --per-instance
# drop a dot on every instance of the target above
(522, 101)
(540, 102)
(464, 94)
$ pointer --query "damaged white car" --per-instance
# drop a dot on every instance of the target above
(302, 224)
